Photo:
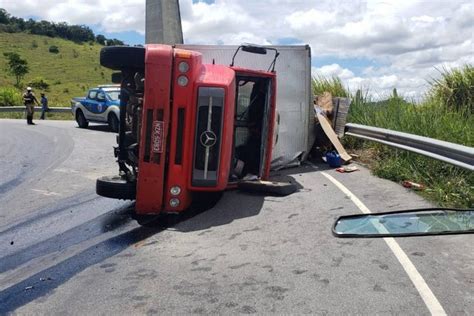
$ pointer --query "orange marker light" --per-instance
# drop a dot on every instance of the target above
(183, 54)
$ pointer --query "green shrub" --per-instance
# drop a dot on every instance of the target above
(39, 83)
(10, 97)
(53, 49)
(455, 89)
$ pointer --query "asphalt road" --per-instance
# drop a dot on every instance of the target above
(65, 250)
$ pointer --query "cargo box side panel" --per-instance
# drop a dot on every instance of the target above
(294, 96)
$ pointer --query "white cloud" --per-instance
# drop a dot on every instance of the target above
(406, 38)
(333, 70)
(109, 15)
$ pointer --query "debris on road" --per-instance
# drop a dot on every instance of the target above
(413, 185)
(322, 109)
(347, 169)
(333, 159)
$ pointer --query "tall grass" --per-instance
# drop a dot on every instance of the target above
(333, 85)
(441, 116)
(455, 89)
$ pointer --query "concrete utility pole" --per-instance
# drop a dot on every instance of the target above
(163, 22)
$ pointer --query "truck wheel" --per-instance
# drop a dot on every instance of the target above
(81, 119)
(116, 188)
(123, 57)
(147, 220)
(268, 187)
(113, 122)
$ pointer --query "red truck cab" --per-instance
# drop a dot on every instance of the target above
(187, 127)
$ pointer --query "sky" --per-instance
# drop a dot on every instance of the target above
(373, 45)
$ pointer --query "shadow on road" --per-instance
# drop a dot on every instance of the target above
(98, 128)
(231, 206)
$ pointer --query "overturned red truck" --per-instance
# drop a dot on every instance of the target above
(187, 127)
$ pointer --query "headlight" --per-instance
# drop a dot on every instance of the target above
(175, 190)
(183, 66)
(182, 81)
(174, 202)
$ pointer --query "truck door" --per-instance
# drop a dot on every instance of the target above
(253, 124)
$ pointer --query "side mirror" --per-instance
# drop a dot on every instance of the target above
(416, 222)
(254, 49)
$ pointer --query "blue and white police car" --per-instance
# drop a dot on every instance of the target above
(100, 105)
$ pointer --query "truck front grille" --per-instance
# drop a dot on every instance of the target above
(208, 136)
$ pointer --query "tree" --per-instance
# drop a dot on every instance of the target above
(100, 39)
(4, 16)
(17, 66)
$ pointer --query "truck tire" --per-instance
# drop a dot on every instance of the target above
(268, 187)
(113, 122)
(116, 188)
(147, 220)
(81, 119)
(122, 57)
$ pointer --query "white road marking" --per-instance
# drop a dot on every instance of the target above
(423, 289)
(45, 192)
(65, 170)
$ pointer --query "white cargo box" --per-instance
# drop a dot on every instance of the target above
(294, 96)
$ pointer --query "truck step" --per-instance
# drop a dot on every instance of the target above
(267, 187)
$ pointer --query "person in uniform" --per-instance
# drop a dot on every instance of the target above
(29, 101)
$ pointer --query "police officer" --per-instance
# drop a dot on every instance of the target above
(29, 101)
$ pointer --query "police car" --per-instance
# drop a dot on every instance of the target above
(100, 105)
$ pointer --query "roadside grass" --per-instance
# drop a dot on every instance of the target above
(49, 116)
(69, 73)
(445, 185)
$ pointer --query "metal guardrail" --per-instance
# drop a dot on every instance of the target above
(455, 154)
(4, 109)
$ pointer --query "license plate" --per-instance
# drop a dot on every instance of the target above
(157, 145)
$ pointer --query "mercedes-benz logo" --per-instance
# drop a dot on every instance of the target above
(208, 139)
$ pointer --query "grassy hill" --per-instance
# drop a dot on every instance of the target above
(70, 73)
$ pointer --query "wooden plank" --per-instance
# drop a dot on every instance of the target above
(327, 128)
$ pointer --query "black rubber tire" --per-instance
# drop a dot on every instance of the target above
(268, 187)
(122, 57)
(116, 188)
(147, 220)
(81, 119)
(113, 122)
